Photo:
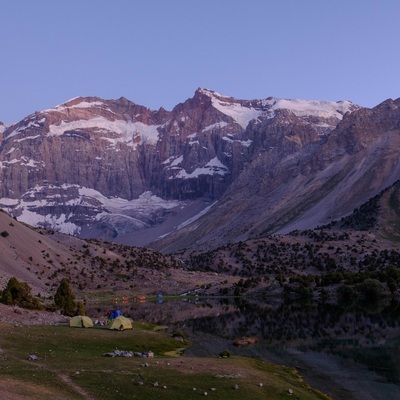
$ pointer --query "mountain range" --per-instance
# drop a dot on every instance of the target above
(213, 170)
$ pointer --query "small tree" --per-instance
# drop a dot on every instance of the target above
(64, 299)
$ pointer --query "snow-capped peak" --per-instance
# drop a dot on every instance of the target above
(210, 93)
(79, 102)
(316, 108)
(2, 127)
(243, 111)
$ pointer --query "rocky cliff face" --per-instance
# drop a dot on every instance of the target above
(113, 168)
(301, 178)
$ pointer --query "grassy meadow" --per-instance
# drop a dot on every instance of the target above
(70, 365)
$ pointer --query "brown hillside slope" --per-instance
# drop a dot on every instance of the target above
(23, 252)
(42, 258)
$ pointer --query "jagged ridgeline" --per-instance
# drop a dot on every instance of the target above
(213, 170)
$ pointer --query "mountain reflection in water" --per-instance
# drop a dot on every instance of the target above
(349, 353)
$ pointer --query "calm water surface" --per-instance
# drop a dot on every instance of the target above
(349, 353)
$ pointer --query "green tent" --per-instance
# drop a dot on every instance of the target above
(120, 323)
(80, 321)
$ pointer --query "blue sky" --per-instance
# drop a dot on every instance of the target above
(158, 52)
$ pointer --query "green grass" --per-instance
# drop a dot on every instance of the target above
(71, 366)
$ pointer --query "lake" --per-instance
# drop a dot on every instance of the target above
(346, 352)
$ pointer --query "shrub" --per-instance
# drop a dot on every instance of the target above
(371, 290)
(346, 294)
(178, 334)
(225, 354)
(224, 291)
(4, 234)
(392, 285)
(18, 293)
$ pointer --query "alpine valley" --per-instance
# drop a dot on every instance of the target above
(212, 171)
(277, 221)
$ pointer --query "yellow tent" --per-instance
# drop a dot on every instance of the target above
(80, 321)
(120, 323)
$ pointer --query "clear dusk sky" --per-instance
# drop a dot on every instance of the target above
(158, 52)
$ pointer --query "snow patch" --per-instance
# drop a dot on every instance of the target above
(316, 108)
(146, 201)
(82, 104)
(31, 163)
(30, 124)
(214, 166)
(177, 161)
(86, 104)
(217, 125)
(13, 161)
(196, 217)
(105, 207)
(245, 143)
(240, 114)
(23, 161)
(27, 138)
(59, 223)
(173, 161)
(126, 130)
(6, 202)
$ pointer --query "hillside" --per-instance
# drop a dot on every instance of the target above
(367, 237)
(360, 246)
(42, 258)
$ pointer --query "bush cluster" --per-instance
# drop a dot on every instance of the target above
(18, 293)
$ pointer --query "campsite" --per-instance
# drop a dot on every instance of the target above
(55, 361)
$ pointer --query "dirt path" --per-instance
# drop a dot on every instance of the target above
(23, 390)
(76, 388)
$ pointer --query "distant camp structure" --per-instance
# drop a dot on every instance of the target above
(120, 323)
(116, 321)
(125, 299)
(80, 321)
(111, 314)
